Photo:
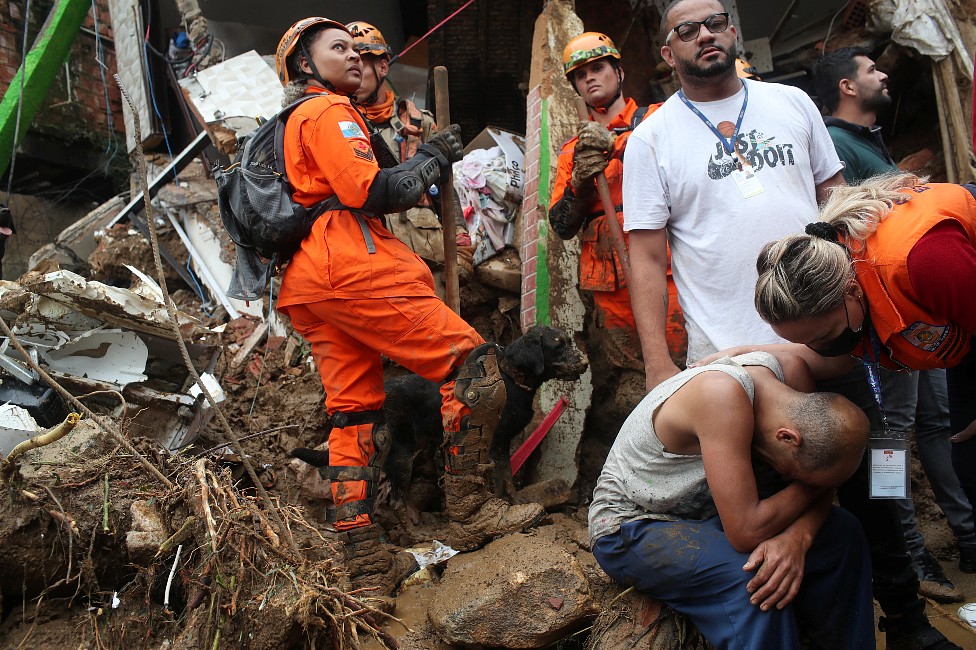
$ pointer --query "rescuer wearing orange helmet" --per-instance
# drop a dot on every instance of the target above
(403, 127)
(591, 63)
(355, 292)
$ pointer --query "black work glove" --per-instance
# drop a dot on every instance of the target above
(447, 142)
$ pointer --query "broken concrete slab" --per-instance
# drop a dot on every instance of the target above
(64, 320)
(479, 591)
(113, 305)
(503, 271)
(79, 237)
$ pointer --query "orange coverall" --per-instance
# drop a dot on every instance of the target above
(353, 306)
(600, 270)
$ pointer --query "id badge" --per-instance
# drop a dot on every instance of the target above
(747, 181)
(890, 466)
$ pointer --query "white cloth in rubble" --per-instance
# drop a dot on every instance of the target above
(481, 180)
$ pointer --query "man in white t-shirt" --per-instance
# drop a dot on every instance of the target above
(720, 169)
(718, 208)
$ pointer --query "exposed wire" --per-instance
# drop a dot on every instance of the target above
(20, 104)
(152, 97)
(830, 27)
(431, 31)
(112, 144)
(197, 289)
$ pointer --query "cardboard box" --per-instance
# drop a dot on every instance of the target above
(513, 146)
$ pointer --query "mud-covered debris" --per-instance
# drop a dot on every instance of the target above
(148, 532)
(635, 621)
(549, 494)
(499, 596)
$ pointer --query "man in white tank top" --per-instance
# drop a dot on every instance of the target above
(677, 511)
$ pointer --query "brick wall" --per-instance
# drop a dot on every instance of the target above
(486, 49)
(75, 104)
(532, 211)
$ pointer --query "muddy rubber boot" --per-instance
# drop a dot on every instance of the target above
(373, 564)
(912, 631)
(478, 516)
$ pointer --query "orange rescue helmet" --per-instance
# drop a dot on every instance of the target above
(587, 47)
(369, 40)
(290, 41)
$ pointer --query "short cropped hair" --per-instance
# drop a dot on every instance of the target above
(823, 420)
(831, 69)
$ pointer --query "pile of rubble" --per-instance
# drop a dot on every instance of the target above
(143, 525)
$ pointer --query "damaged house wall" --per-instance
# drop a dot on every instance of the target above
(76, 132)
(550, 265)
(486, 51)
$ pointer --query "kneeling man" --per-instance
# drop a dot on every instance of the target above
(677, 511)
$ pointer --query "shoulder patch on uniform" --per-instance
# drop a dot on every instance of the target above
(351, 130)
(361, 149)
(925, 336)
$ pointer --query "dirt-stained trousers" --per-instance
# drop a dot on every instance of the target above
(692, 567)
(348, 337)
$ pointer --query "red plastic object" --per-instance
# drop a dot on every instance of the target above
(522, 453)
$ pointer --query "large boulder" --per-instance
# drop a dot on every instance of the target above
(520, 591)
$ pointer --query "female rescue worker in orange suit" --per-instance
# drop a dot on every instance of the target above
(354, 291)
(591, 63)
(888, 275)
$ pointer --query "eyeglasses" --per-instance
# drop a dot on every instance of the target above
(688, 31)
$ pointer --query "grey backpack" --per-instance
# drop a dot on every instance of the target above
(257, 208)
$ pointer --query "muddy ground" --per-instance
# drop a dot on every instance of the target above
(89, 538)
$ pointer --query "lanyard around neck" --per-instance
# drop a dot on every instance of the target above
(872, 369)
(729, 145)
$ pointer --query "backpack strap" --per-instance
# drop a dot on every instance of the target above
(331, 203)
(279, 136)
(638, 117)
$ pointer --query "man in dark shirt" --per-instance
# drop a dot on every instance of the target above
(853, 90)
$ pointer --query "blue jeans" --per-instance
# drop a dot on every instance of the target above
(691, 566)
(962, 411)
(920, 399)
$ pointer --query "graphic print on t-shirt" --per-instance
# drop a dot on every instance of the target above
(753, 149)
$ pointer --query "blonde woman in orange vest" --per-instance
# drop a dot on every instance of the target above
(888, 275)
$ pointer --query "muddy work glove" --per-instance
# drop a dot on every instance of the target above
(592, 152)
(446, 144)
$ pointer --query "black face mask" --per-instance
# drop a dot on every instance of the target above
(845, 342)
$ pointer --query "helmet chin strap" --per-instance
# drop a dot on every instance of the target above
(315, 73)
